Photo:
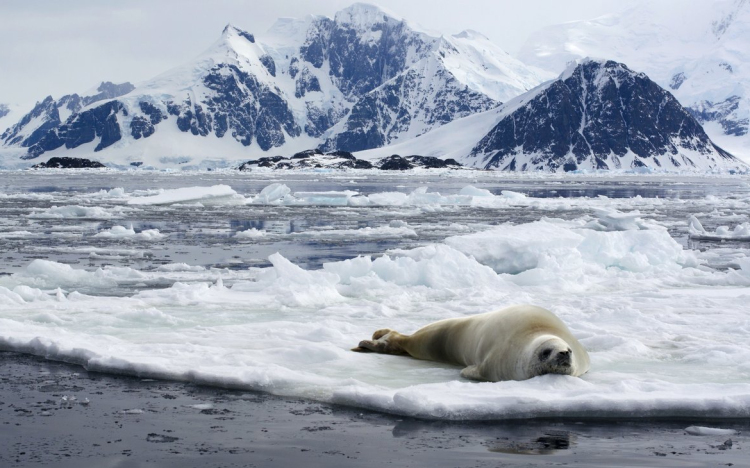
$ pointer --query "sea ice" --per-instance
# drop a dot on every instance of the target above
(665, 327)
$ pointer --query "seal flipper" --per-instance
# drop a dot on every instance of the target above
(384, 342)
(472, 373)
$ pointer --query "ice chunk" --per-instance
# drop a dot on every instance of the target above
(741, 232)
(614, 220)
(217, 194)
(513, 195)
(274, 193)
(325, 198)
(514, 249)
(382, 232)
(709, 431)
(121, 232)
(49, 274)
(17, 235)
(251, 233)
(472, 191)
(176, 267)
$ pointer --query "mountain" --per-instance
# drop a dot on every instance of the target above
(697, 49)
(598, 114)
(360, 80)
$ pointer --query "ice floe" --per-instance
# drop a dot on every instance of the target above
(217, 194)
(123, 233)
(77, 212)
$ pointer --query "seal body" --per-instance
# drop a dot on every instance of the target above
(516, 343)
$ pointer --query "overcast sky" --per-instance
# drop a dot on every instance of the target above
(58, 47)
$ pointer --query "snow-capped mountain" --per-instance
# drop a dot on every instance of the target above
(698, 49)
(598, 114)
(360, 80)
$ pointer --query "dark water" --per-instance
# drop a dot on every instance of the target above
(56, 414)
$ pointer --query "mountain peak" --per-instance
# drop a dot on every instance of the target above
(230, 31)
(470, 34)
(365, 15)
(605, 65)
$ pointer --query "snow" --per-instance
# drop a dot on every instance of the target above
(363, 16)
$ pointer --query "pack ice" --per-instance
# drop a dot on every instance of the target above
(667, 333)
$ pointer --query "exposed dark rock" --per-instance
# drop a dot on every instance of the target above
(154, 114)
(430, 162)
(677, 81)
(356, 164)
(270, 65)
(68, 163)
(342, 154)
(306, 154)
(262, 114)
(141, 127)
(306, 83)
(362, 164)
(395, 163)
(294, 67)
(262, 162)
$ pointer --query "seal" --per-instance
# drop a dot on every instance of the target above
(515, 343)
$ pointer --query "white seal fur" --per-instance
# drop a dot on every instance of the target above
(516, 343)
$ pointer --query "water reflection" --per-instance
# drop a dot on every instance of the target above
(546, 444)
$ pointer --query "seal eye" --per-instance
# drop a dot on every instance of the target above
(545, 354)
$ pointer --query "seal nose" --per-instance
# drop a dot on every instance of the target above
(563, 358)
